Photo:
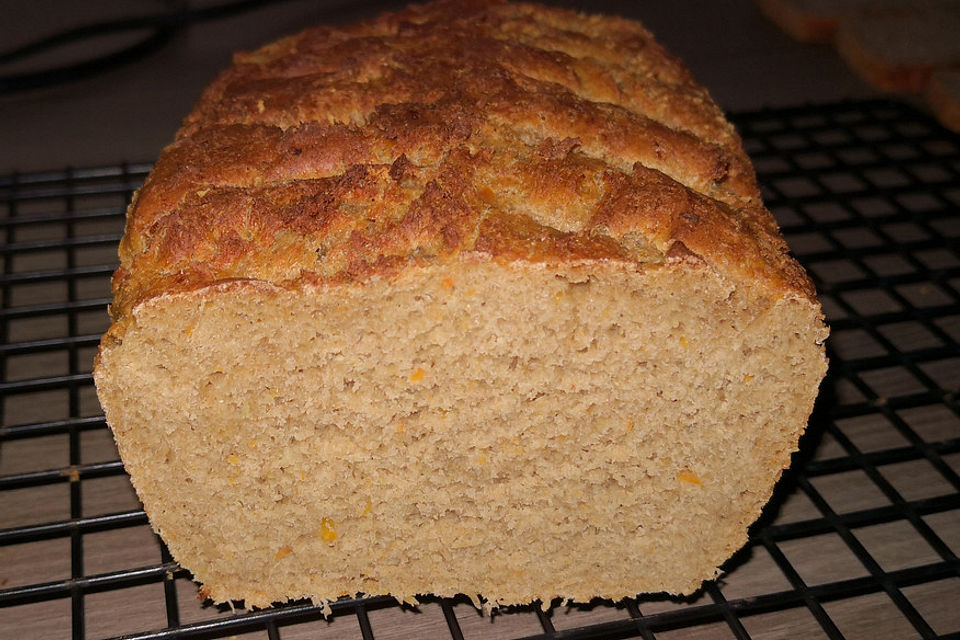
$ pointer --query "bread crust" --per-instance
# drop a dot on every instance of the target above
(451, 131)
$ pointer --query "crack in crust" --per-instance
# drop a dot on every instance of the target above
(455, 130)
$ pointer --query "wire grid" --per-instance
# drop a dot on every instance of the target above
(860, 539)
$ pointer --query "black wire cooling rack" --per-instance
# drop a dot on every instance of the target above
(860, 540)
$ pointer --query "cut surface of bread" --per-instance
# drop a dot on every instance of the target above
(471, 298)
(898, 47)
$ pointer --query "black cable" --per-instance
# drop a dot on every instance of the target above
(163, 27)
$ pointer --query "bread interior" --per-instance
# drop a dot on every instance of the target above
(518, 432)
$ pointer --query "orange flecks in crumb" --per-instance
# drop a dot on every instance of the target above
(447, 283)
(689, 477)
(188, 331)
(747, 377)
(487, 195)
(558, 295)
(417, 375)
(303, 476)
(283, 552)
(630, 426)
(399, 427)
(327, 531)
(683, 342)
(233, 459)
(368, 507)
(232, 480)
(252, 444)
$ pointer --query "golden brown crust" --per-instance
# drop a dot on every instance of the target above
(450, 131)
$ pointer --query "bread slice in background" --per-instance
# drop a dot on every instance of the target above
(813, 20)
(943, 95)
(471, 298)
(898, 48)
(895, 45)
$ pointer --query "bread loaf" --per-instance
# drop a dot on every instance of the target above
(471, 298)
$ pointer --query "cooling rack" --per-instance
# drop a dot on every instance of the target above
(860, 540)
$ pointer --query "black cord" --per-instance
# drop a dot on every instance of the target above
(162, 26)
